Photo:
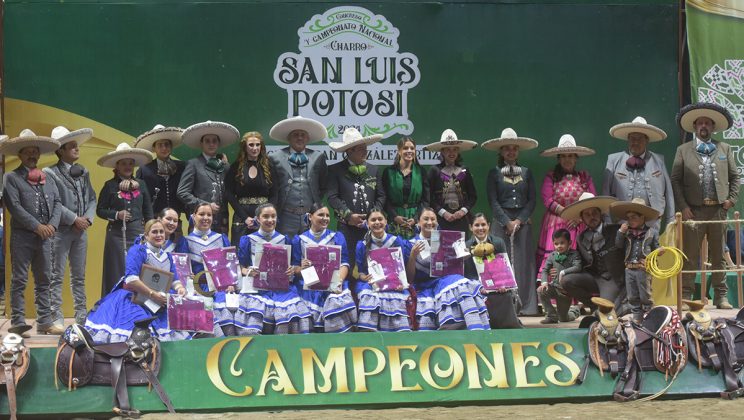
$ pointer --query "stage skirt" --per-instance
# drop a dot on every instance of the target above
(272, 311)
(382, 311)
(331, 312)
(112, 320)
(450, 303)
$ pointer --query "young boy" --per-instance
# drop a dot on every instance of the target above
(638, 240)
(562, 261)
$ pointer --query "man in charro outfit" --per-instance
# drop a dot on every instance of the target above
(638, 172)
(300, 172)
(354, 187)
(78, 209)
(35, 211)
(705, 182)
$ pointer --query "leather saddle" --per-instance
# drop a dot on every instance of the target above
(625, 349)
(14, 358)
(717, 344)
(80, 362)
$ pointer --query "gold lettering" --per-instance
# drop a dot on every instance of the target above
(520, 365)
(497, 369)
(455, 370)
(573, 368)
(396, 368)
(360, 374)
(279, 375)
(335, 361)
(213, 366)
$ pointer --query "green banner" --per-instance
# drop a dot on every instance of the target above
(343, 370)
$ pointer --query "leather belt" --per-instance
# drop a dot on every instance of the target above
(245, 201)
(710, 203)
(296, 210)
(635, 266)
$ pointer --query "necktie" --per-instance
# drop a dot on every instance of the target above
(706, 148)
(560, 258)
(36, 177)
(216, 165)
(635, 162)
(298, 159)
(358, 169)
(166, 167)
(76, 171)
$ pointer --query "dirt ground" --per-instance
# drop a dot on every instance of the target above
(691, 409)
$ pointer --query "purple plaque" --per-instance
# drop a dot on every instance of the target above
(183, 267)
(189, 315)
(222, 264)
(498, 274)
(272, 268)
(327, 262)
(387, 269)
(444, 260)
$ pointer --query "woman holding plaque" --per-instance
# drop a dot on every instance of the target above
(200, 239)
(379, 310)
(248, 184)
(125, 205)
(406, 189)
(268, 311)
(451, 184)
(449, 302)
(332, 310)
(503, 305)
(112, 318)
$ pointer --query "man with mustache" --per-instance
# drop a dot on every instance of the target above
(35, 207)
(705, 183)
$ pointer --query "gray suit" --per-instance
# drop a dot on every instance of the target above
(290, 202)
(78, 199)
(30, 206)
(652, 183)
(200, 184)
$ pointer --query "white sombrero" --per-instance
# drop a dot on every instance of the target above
(227, 133)
(619, 209)
(587, 200)
(449, 139)
(148, 139)
(566, 146)
(27, 138)
(639, 125)
(64, 136)
(315, 130)
(352, 137)
(690, 113)
(509, 138)
(124, 151)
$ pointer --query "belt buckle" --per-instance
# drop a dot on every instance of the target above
(709, 202)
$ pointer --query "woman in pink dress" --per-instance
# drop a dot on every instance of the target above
(561, 187)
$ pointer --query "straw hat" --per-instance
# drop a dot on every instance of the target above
(315, 130)
(639, 125)
(148, 139)
(587, 200)
(638, 205)
(227, 133)
(25, 139)
(449, 139)
(352, 137)
(508, 138)
(64, 136)
(566, 146)
(690, 113)
(124, 151)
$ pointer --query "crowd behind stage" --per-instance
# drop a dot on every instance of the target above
(589, 244)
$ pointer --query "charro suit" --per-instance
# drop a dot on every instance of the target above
(163, 189)
(201, 184)
(688, 174)
(78, 199)
(297, 188)
(652, 183)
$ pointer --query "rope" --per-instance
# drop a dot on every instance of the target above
(652, 266)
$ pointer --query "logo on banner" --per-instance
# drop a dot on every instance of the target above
(349, 73)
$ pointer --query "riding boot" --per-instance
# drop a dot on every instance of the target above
(722, 302)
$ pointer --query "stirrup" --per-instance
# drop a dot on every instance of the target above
(732, 395)
(127, 414)
(619, 397)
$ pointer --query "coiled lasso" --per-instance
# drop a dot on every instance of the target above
(652, 265)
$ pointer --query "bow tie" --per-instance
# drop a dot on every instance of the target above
(215, 164)
(635, 162)
(298, 159)
(358, 169)
(706, 148)
(637, 233)
(560, 258)
(36, 177)
(166, 167)
(76, 171)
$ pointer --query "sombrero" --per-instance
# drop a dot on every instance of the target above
(123, 151)
(449, 139)
(587, 200)
(689, 113)
(639, 125)
(148, 139)
(25, 139)
(315, 130)
(352, 137)
(64, 136)
(508, 138)
(638, 205)
(566, 146)
(226, 132)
